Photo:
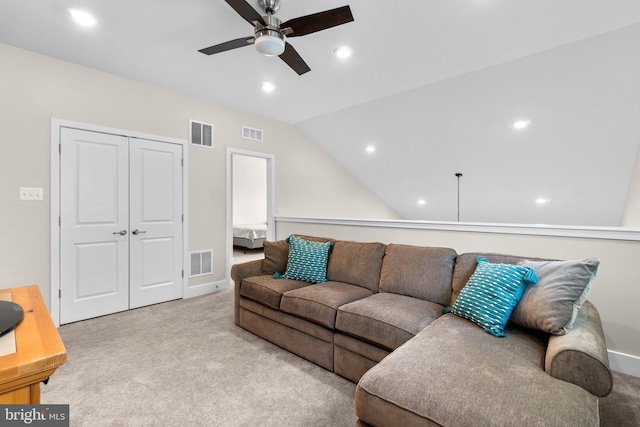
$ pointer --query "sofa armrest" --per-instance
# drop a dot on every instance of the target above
(239, 272)
(580, 356)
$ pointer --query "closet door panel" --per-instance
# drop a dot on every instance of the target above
(156, 222)
(94, 217)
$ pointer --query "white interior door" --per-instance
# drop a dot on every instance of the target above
(94, 224)
(155, 222)
(121, 223)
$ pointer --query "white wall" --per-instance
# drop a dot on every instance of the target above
(36, 88)
(249, 189)
(583, 100)
(614, 292)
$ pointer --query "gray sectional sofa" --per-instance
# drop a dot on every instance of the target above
(378, 321)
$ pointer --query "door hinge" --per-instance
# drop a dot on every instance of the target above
(182, 273)
(59, 148)
(59, 221)
(59, 293)
(182, 217)
(181, 162)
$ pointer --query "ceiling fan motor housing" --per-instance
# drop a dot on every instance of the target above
(269, 6)
(269, 40)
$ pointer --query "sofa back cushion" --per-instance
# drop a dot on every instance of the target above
(275, 259)
(356, 263)
(314, 238)
(420, 272)
(466, 264)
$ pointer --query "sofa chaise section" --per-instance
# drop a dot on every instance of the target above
(453, 364)
(455, 374)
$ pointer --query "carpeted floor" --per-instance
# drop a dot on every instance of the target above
(622, 407)
(185, 363)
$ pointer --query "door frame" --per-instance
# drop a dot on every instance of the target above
(56, 126)
(271, 199)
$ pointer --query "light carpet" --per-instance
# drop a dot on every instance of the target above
(185, 363)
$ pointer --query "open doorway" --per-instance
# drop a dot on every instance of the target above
(249, 204)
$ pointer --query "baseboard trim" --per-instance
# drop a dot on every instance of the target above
(205, 288)
(625, 363)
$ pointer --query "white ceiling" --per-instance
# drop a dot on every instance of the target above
(435, 85)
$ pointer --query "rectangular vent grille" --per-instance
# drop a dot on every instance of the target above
(201, 263)
(251, 133)
(201, 134)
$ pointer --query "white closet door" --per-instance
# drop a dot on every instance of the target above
(94, 212)
(155, 222)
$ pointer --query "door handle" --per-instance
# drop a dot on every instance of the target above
(122, 233)
(136, 231)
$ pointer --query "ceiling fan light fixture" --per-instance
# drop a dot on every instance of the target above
(269, 42)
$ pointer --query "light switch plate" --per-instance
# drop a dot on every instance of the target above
(29, 193)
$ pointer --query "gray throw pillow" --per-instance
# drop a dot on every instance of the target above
(552, 305)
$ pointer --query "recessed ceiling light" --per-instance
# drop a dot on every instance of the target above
(521, 124)
(422, 202)
(542, 201)
(370, 149)
(83, 18)
(343, 52)
(268, 87)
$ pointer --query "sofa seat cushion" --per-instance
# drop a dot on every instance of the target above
(454, 374)
(386, 319)
(266, 290)
(319, 303)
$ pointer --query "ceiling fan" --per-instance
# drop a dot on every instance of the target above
(270, 33)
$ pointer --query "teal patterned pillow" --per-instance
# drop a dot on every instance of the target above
(307, 260)
(491, 294)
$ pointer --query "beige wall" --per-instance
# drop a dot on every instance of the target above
(631, 212)
(614, 292)
(36, 88)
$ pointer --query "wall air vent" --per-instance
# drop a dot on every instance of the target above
(252, 134)
(201, 134)
(201, 263)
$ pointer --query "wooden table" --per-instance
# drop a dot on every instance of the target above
(39, 350)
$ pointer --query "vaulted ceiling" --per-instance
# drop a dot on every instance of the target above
(433, 86)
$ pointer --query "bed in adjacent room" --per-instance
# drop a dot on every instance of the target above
(250, 236)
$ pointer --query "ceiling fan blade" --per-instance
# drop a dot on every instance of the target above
(246, 11)
(318, 21)
(294, 60)
(222, 47)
